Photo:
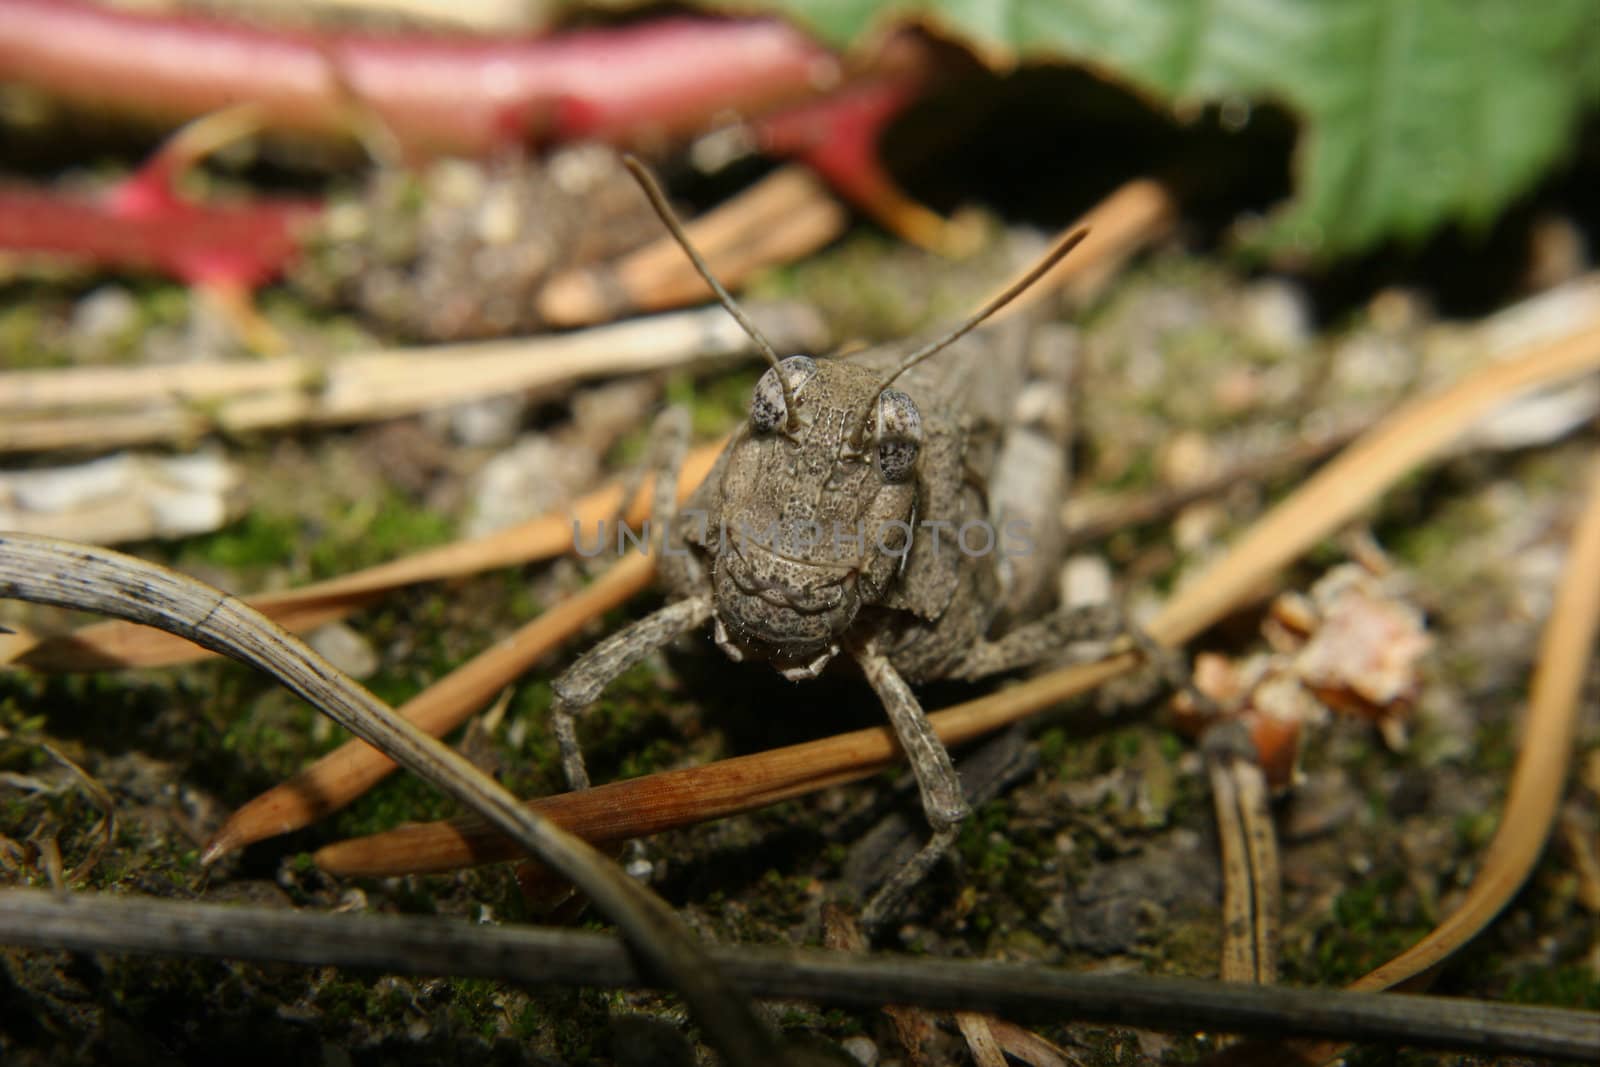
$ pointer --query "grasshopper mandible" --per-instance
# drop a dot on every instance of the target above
(887, 463)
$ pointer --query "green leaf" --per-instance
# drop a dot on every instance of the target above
(1414, 112)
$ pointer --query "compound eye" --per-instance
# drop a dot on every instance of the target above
(767, 409)
(899, 435)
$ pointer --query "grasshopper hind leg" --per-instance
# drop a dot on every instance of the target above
(1090, 628)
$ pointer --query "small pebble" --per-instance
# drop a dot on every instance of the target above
(104, 315)
(531, 478)
(1276, 315)
(862, 1049)
(492, 422)
(345, 649)
(1085, 582)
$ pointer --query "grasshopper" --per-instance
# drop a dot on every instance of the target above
(878, 507)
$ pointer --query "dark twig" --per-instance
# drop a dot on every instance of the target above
(425, 946)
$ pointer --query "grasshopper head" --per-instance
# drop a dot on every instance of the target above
(817, 506)
(819, 491)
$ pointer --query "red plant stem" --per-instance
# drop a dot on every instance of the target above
(246, 244)
(838, 138)
(437, 94)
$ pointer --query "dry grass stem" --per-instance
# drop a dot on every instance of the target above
(986, 1051)
(1543, 758)
(1252, 888)
(1340, 491)
(97, 408)
(1238, 911)
(1029, 1047)
(1133, 216)
(1266, 879)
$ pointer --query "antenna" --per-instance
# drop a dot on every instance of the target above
(1016, 289)
(658, 200)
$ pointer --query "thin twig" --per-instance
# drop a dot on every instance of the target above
(86, 578)
(1092, 518)
(429, 946)
(781, 218)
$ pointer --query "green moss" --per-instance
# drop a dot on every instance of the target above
(853, 286)
(570, 1023)
(275, 736)
(23, 343)
(716, 405)
(397, 799)
(1188, 946)
(628, 732)
(1052, 747)
(288, 310)
(343, 1000)
(657, 755)
(392, 525)
(264, 542)
(1372, 922)
(164, 303)
(1474, 829)
(784, 893)
(1573, 985)
(476, 1005)
(255, 543)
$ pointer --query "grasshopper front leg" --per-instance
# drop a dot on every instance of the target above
(581, 684)
(942, 799)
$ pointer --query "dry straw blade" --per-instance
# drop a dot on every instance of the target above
(100, 407)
